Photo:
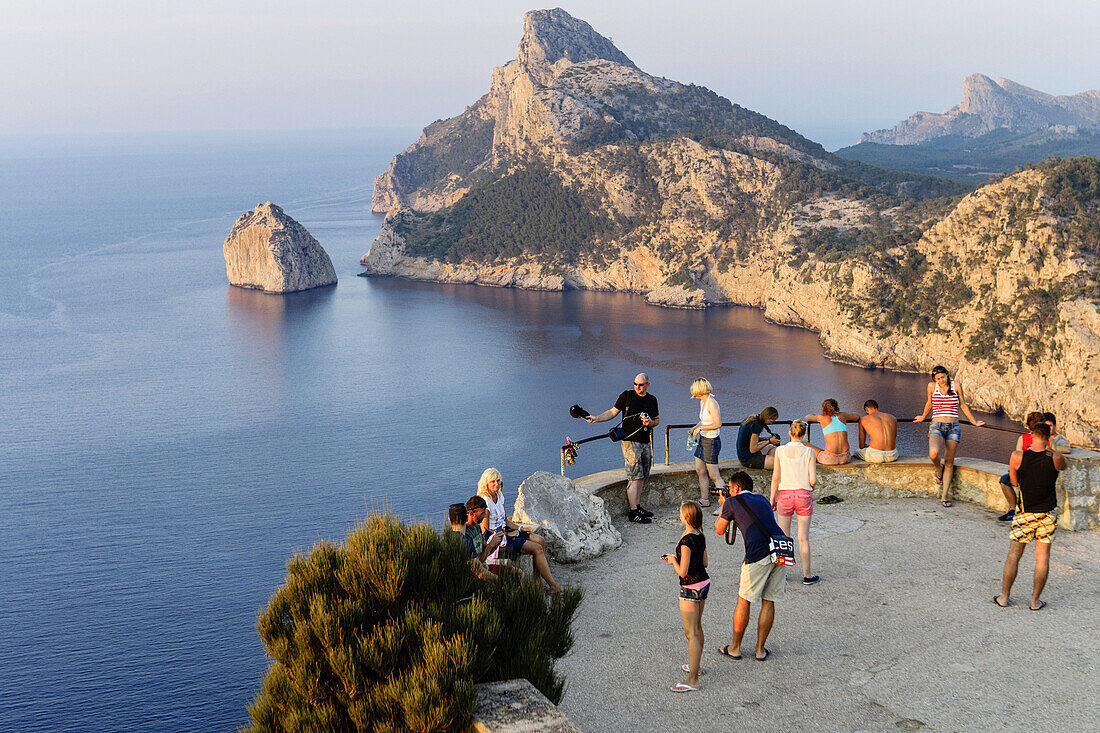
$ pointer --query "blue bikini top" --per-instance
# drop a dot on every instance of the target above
(836, 426)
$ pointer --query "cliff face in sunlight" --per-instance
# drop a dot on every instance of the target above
(578, 170)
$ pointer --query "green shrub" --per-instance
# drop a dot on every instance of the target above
(390, 631)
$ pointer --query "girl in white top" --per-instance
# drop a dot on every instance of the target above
(516, 538)
(710, 445)
(793, 479)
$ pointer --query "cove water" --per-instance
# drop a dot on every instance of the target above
(169, 442)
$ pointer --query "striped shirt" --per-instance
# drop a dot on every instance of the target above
(945, 407)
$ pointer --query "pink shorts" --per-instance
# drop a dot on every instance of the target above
(794, 501)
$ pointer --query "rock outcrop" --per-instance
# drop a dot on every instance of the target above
(574, 522)
(594, 175)
(990, 105)
(267, 250)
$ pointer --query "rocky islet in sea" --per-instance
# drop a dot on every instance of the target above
(267, 250)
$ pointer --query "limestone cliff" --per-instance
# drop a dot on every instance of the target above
(989, 105)
(269, 251)
(578, 170)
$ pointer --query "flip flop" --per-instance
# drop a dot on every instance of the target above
(999, 603)
(765, 657)
(683, 687)
(945, 502)
(1042, 605)
(939, 475)
(687, 670)
(725, 652)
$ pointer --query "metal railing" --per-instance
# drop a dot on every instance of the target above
(571, 445)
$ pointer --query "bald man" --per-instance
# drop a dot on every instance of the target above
(640, 416)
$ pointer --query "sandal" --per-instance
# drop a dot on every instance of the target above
(687, 670)
(945, 502)
(725, 652)
(683, 687)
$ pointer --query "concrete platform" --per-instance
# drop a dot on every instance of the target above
(899, 634)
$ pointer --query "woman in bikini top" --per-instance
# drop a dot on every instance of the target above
(832, 422)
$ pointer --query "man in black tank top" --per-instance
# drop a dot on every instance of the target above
(1035, 471)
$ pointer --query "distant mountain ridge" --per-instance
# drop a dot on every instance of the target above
(581, 171)
(989, 105)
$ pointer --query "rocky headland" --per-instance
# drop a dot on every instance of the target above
(990, 105)
(578, 170)
(267, 250)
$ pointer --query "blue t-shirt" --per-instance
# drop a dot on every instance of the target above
(468, 542)
(748, 429)
(756, 542)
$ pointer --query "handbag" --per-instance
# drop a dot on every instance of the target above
(780, 546)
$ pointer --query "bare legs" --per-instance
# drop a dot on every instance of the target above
(707, 472)
(763, 624)
(538, 552)
(1012, 564)
(803, 538)
(692, 614)
(1010, 496)
(937, 448)
(634, 492)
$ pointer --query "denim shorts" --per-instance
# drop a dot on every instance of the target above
(946, 430)
(708, 449)
(689, 594)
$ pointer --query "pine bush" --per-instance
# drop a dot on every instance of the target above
(391, 631)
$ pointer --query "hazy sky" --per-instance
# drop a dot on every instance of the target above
(828, 69)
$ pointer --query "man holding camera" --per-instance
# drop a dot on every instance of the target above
(640, 416)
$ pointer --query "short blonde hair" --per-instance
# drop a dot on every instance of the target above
(798, 429)
(489, 474)
(691, 513)
(700, 386)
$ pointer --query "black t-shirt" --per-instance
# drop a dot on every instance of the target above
(697, 572)
(1037, 475)
(630, 405)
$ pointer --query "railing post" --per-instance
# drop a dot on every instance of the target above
(562, 451)
(666, 443)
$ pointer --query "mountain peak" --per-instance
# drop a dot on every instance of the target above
(552, 36)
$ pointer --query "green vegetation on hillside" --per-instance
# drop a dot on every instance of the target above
(974, 160)
(391, 631)
(528, 212)
(454, 146)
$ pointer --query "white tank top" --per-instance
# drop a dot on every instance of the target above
(704, 414)
(497, 513)
(794, 466)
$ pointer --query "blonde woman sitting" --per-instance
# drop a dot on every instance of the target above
(832, 422)
(517, 540)
(793, 481)
(710, 445)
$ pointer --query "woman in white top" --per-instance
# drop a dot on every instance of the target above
(793, 480)
(707, 430)
(517, 540)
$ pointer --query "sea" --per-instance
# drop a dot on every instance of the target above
(168, 442)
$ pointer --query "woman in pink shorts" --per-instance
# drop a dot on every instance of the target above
(793, 480)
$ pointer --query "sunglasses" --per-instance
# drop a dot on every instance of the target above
(640, 384)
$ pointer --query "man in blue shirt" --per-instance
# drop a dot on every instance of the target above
(761, 579)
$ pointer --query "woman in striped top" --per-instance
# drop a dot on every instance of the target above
(945, 399)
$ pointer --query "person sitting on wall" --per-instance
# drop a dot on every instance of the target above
(1007, 487)
(833, 425)
(878, 434)
(1058, 443)
(751, 451)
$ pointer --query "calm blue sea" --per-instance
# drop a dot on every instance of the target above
(168, 442)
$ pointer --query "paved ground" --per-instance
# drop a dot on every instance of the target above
(900, 633)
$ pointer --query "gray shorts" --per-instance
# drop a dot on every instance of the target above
(762, 580)
(638, 458)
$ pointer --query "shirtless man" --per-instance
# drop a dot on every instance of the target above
(878, 434)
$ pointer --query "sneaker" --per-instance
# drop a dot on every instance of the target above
(644, 512)
(810, 580)
(638, 518)
(1007, 516)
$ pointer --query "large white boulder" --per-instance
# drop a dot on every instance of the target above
(574, 522)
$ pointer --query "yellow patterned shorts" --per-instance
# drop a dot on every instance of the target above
(1028, 526)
